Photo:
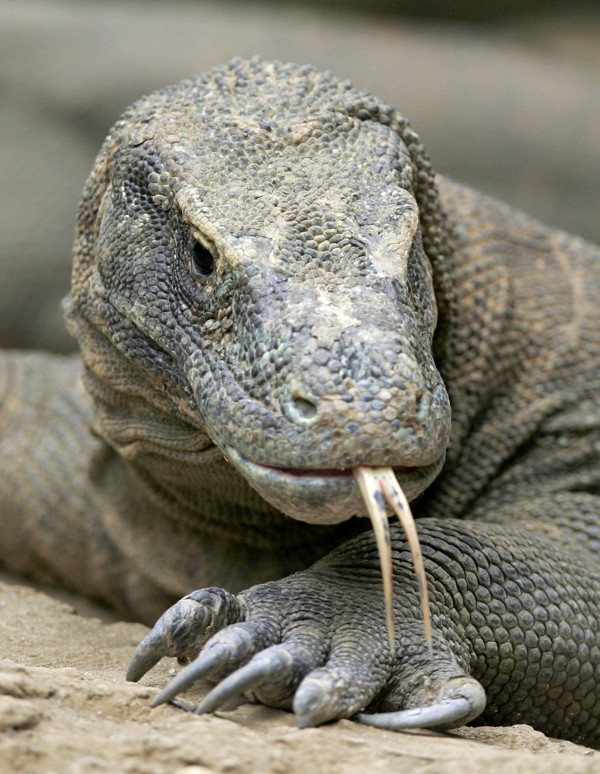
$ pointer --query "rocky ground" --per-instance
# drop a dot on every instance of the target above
(66, 707)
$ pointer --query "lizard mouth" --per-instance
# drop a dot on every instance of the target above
(321, 495)
(327, 472)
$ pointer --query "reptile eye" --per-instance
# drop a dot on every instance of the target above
(203, 261)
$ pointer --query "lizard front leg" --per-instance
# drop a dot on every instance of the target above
(514, 615)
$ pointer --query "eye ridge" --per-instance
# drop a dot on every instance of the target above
(203, 260)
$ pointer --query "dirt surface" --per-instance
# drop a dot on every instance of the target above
(66, 707)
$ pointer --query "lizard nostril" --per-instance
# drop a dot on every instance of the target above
(300, 409)
(305, 408)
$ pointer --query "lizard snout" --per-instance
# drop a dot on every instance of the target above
(349, 389)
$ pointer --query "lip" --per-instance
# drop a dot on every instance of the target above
(323, 495)
(306, 474)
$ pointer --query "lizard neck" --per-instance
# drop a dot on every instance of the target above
(211, 527)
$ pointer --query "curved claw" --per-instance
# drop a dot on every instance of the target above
(147, 655)
(201, 667)
(232, 646)
(462, 703)
(184, 628)
(258, 671)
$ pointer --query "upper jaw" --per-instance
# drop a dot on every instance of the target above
(321, 496)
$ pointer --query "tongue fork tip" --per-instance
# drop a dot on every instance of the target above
(378, 485)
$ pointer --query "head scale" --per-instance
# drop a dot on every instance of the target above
(255, 265)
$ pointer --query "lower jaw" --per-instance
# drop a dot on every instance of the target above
(324, 496)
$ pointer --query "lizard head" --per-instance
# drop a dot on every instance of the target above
(255, 270)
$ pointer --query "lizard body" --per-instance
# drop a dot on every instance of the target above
(269, 290)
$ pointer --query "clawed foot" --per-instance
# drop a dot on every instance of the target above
(309, 644)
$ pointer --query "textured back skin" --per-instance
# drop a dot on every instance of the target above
(522, 363)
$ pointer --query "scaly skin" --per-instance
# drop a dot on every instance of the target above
(267, 292)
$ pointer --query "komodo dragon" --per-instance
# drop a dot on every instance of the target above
(268, 291)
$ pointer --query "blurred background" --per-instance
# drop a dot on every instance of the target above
(506, 96)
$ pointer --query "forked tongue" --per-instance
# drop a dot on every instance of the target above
(378, 485)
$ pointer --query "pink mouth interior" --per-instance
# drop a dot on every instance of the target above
(332, 472)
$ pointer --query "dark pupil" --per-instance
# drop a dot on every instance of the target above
(203, 260)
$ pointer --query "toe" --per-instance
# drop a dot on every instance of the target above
(456, 702)
(356, 671)
(333, 692)
(229, 650)
(271, 676)
(184, 628)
